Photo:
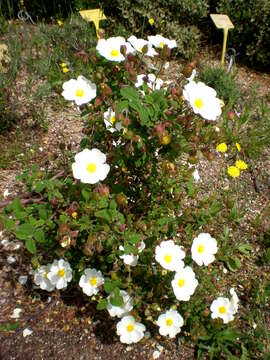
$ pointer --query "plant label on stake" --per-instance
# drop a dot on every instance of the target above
(222, 21)
(24, 16)
(94, 15)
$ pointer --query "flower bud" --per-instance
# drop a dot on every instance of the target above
(126, 122)
(230, 115)
(122, 227)
(121, 199)
(104, 190)
(165, 139)
(160, 128)
(123, 50)
(98, 101)
(145, 49)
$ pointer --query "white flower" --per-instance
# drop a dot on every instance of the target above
(6, 193)
(170, 323)
(169, 255)
(129, 330)
(196, 175)
(192, 76)
(90, 166)
(203, 249)
(110, 48)
(90, 281)
(184, 284)
(41, 278)
(109, 120)
(138, 44)
(234, 300)
(202, 99)
(122, 310)
(222, 308)
(16, 313)
(153, 82)
(81, 90)
(27, 332)
(60, 274)
(130, 259)
(159, 41)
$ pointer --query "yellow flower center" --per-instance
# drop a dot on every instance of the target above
(198, 103)
(161, 44)
(93, 281)
(140, 49)
(114, 53)
(222, 310)
(112, 119)
(91, 167)
(181, 282)
(200, 248)
(130, 327)
(46, 275)
(168, 258)
(169, 322)
(61, 273)
(79, 93)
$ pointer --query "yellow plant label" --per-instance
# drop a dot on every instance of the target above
(222, 21)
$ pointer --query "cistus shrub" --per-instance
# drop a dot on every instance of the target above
(250, 36)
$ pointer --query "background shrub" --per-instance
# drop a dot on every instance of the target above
(251, 34)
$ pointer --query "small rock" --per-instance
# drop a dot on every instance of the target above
(27, 332)
(23, 279)
(11, 260)
(16, 313)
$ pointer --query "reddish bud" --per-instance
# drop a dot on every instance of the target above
(160, 128)
(122, 227)
(104, 190)
(230, 115)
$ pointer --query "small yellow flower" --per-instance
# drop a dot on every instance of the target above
(164, 272)
(63, 64)
(65, 70)
(222, 147)
(238, 147)
(74, 215)
(151, 21)
(233, 171)
(240, 164)
(60, 23)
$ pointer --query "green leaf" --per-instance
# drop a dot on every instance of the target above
(40, 186)
(102, 304)
(122, 105)
(115, 298)
(31, 246)
(39, 236)
(86, 194)
(25, 231)
(103, 214)
(244, 248)
(233, 263)
(190, 187)
(109, 285)
(17, 205)
(129, 93)
(103, 203)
